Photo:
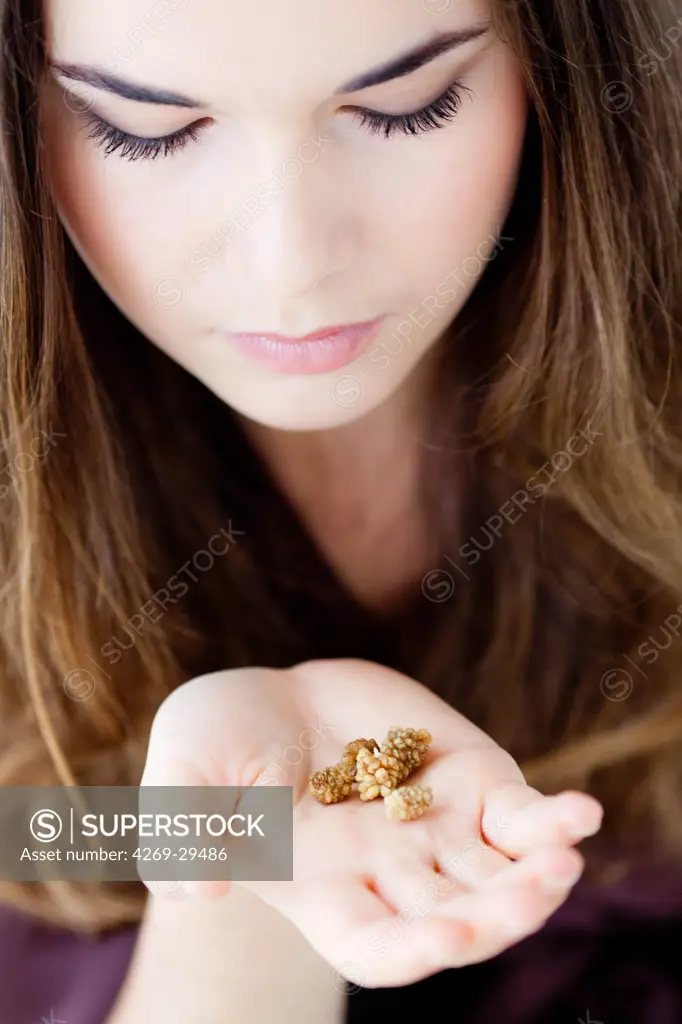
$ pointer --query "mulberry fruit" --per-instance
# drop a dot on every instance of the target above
(331, 785)
(380, 771)
(408, 802)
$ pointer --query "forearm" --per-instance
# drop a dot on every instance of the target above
(224, 962)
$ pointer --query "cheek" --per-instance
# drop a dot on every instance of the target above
(124, 235)
(453, 195)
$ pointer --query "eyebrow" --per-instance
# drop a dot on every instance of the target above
(121, 87)
(397, 68)
(415, 58)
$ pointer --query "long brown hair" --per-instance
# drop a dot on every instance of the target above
(551, 614)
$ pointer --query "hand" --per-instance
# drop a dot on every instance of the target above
(486, 866)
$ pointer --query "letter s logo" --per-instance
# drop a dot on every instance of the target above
(45, 826)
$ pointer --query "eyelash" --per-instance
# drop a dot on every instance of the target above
(133, 147)
(437, 115)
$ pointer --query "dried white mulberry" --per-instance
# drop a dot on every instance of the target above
(330, 785)
(380, 771)
(408, 802)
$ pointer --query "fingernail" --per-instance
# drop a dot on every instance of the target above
(563, 880)
(585, 830)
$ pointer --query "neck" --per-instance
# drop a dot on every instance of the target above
(317, 465)
(356, 489)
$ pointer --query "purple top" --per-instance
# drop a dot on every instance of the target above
(49, 976)
(608, 956)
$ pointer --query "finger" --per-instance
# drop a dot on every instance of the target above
(380, 948)
(402, 883)
(469, 928)
(330, 914)
(164, 768)
(517, 818)
(237, 728)
(468, 864)
(384, 949)
(406, 950)
(471, 861)
(513, 905)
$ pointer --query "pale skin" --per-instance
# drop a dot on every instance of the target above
(350, 858)
(370, 227)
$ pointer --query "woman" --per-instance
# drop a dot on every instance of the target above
(459, 510)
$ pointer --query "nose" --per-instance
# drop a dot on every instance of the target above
(303, 237)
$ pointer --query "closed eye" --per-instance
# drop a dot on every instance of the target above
(136, 147)
(437, 115)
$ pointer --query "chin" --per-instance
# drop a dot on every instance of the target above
(341, 399)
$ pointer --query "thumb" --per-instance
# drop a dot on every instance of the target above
(163, 767)
(234, 728)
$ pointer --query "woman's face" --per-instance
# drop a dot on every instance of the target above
(294, 194)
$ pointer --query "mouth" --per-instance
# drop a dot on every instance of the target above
(320, 352)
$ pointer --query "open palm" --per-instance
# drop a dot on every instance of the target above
(385, 902)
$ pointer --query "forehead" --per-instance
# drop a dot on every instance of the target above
(247, 51)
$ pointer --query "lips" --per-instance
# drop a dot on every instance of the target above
(319, 352)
